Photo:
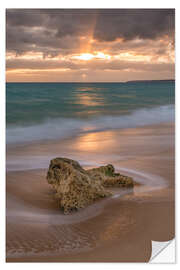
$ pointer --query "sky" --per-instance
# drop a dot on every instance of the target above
(89, 45)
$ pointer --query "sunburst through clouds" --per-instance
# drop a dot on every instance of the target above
(90, 45)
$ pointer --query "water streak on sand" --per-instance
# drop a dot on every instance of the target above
(149, 182)
(28, 214)
(60, 128)
(35, 226)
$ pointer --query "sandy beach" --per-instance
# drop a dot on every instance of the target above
(90, 112)
(115, 229)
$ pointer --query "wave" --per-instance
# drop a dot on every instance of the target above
(60, 128)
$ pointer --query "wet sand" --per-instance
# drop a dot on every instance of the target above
(115, 229)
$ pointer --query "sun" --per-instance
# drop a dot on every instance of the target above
(90, 56)
(84, 56)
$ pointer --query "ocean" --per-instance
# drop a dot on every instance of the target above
(129, 125)
(51, 111)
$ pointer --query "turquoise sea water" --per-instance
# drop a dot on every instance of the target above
(38, 111)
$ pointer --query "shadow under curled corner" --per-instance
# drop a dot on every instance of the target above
(163, 252)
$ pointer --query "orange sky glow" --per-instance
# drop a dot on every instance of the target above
(41, 53)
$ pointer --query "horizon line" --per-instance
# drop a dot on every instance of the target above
(97, 82)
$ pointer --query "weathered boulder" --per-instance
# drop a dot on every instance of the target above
(109, 178)
(76, 188)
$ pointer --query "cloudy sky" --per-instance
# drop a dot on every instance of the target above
(89, 45)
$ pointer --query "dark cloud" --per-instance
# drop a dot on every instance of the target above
(92, 65)
(60, 31)
(132, 23)
(141, 47)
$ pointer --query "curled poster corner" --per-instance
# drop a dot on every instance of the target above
(163, 252)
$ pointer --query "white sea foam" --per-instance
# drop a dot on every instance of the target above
(64, 127)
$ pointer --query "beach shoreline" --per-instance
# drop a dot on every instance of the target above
(119, 229)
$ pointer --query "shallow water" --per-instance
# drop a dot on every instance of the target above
(95, 126)
(26, 213)
(36, 227)
(48, 111)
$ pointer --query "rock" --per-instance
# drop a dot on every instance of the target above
(111, 179)
(76, 188)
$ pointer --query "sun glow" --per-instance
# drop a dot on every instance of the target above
(84, 56)
(90, 56)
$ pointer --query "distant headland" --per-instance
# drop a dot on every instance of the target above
(165, 80)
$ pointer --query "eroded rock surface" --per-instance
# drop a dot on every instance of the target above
(109, 178)
(76, 188)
